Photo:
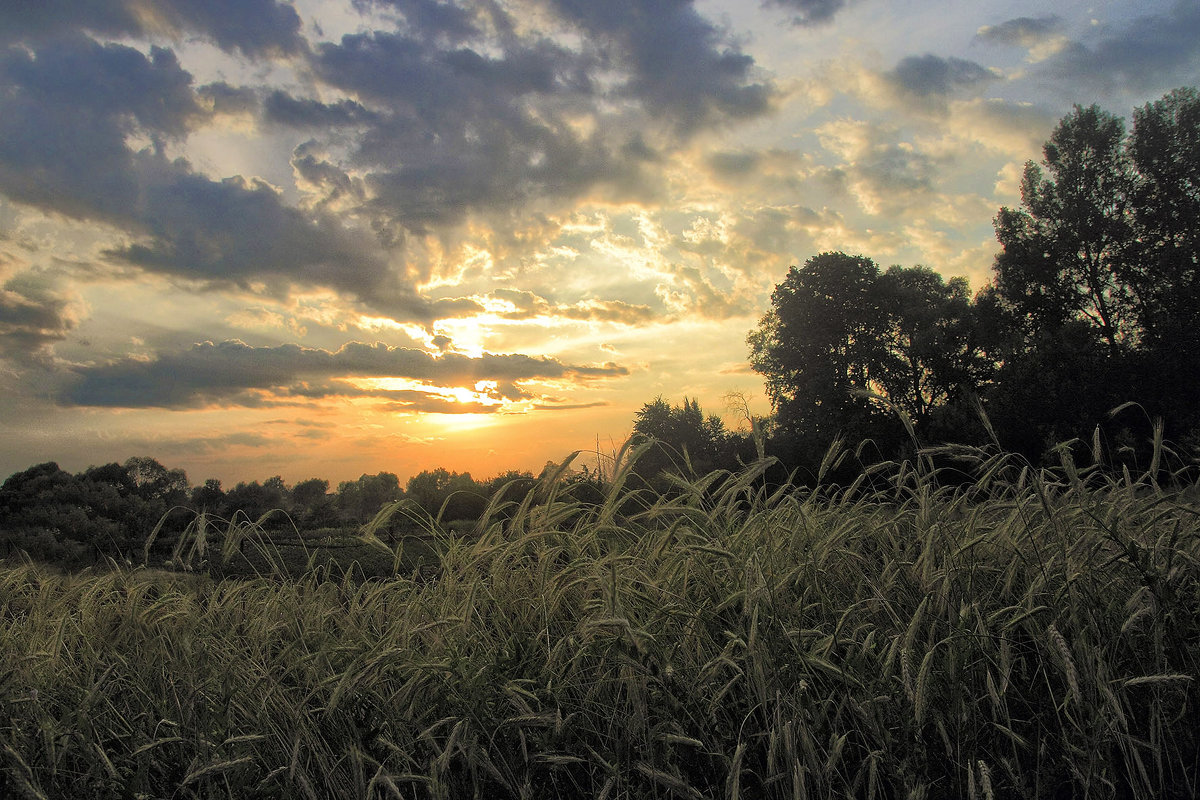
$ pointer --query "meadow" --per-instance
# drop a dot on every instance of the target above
(964, 625)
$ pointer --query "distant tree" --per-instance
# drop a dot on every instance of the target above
(102, 507)
(153, 481)
(359, 501)
(515, 483)
(256, 499)
(312, 504)
(209, 496)
(454, 495)
(687, 441)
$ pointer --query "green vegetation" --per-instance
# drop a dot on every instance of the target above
(1031, 633)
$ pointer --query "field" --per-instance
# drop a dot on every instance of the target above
(1026, 633)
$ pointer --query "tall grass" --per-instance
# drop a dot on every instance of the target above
(1031, 633)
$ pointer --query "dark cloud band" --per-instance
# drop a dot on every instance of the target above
(224, 373)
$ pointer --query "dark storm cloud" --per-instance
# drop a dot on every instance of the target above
(1150, 53)
(66, 111)
(334, 185)
(221, 98)
(251, 26)
(930, 75)
(459, 133)
(232, 371)
(810, 12)
(33, 316)
(154, 92)
(681, 64)
(474, 118)
(458, 111)
(1023, 31)
(416, 76)
(282, 109)
(239, 231)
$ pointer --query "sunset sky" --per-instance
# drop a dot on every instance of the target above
(333, 237)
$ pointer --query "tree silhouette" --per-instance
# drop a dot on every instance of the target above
(1065, 251)
(840, 332)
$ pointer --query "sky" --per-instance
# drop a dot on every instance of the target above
(325, 238)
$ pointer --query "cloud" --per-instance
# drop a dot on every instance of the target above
(680, 64)
(463, 113)
(281, 108)
(235, 373)
(734, 164)
(930, 75)
(238, 231)
(810, 13)
(253, 27)
(1150, 53)
(452, 23)
(453, 131)
(527, 305)
(570, 406)
(1028, 32)
(885, 176)
(222, 99)
(66, 111)
(33, 316)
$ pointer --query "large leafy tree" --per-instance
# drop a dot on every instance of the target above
(840, 331)
(822, 340)
(1165, 151)
(932, 354)
(1065, 251)
(1106, 244)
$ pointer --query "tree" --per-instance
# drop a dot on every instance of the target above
(1108, 238)
(932, 356)
(1065, 252)
(1165, 149)
(153, 481)
(210, 497)
(454, 495)
(687, 440)
(361, 500)
(840, 331)
(256, 499)
(820, 345)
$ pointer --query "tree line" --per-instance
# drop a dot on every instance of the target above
(111, 510)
